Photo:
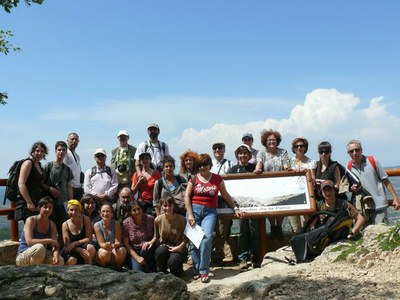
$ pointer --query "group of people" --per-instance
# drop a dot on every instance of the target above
(136, 209)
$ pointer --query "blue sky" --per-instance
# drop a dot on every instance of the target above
(204, 71)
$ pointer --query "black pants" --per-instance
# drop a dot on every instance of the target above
(170, 260)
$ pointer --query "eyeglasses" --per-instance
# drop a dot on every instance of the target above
(299, 146)
(354, 150)
(324, 152)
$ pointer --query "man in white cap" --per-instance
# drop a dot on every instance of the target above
(157, 149)
(247, 139)
(101, 180)
(123, 160)
(221, 166)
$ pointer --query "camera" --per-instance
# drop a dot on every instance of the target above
(122, 168)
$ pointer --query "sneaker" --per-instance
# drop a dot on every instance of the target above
(243, 265)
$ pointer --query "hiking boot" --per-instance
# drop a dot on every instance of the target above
(219, 262)
(243, 265)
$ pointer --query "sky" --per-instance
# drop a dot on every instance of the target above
(205, 71)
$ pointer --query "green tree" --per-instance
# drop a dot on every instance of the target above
(5, 45)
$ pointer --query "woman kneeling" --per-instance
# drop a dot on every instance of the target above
(77, 235)
(39, 241)
(168, 233)
(108, 234)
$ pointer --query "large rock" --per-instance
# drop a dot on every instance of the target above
(8, 252)
(87, 282)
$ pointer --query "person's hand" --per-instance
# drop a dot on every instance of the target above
(396, 204)
(191, 220)
(240, 214)
(142, 179)
(147, 245)
(55, 260)
(54, 192)
(85, 255)
(68, 248)
(109, 246)
(31, 207)
(141, 260)
(175, 249)
(257, 171)
(355, 188)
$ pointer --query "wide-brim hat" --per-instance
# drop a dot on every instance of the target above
(240, 148)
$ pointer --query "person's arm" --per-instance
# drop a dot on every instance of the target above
(30, 240)
(56, 245)
(70, 192)
(358, 218)
(136, 181)
(389, 186)
(336, 174)
(188, 203)
(114, 185)
(65, 236)
(258, 168)
(228, 199)
(26, 167)
(157, 196)
(100, 238)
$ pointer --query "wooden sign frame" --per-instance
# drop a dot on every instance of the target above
(285, 193)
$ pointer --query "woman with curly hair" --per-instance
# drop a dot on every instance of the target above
(189, 164)
(272, 159)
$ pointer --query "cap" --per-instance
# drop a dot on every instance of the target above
(100, 151)
(247, 134)
(241, 147)
(122, 132)
(154, 125)
(221, 144)
(327, 183)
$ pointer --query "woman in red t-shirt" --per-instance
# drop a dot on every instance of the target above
(201, 205)
(144, 183)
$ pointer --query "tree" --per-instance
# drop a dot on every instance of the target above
(5, 45)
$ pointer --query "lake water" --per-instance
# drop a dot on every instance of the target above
(5, 224)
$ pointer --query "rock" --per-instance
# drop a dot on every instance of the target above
(8, 252)
(87, 282)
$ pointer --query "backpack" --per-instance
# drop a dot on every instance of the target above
(147, 146)
(371, 160)
(12, 190)
(94, 171)
(310, 243)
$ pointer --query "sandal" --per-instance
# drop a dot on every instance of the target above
(205, 278)
(196, 276)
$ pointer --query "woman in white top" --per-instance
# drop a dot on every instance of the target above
(299, 163)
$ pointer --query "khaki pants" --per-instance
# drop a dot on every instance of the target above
(36, 255)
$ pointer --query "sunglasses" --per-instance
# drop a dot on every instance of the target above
(354, 150)
(299, 146)
(324, 152)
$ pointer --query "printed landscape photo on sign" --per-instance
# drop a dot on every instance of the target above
(273, 193)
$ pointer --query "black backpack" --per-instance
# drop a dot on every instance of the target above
(334, 226)
(12, 190)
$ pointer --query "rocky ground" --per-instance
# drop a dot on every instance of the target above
(368, 273)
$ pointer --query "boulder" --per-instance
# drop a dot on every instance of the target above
(8, 252)
(87, 282)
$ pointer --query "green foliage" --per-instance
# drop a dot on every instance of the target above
(390, 240)
(3, 98)
(5, 45)
(352, 247)
(10, 4)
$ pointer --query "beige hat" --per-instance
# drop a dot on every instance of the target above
(241, 147)
(327, 183)
(153, 125)
(123, 132)
(100, 151)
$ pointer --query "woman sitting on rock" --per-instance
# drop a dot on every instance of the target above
(39, 241)
(108, 235)
(137, 231)
(77, 235)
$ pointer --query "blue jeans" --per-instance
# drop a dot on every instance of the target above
(206, 218)
(149, 257)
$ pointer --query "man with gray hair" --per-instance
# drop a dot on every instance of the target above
(372, 182)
